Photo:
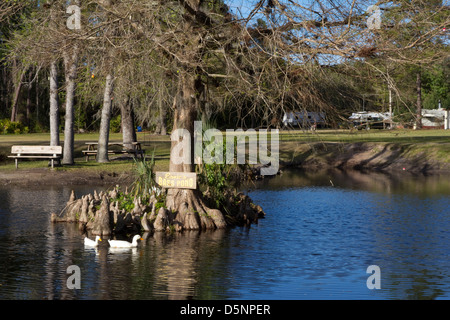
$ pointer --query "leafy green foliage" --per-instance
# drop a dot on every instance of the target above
(115, 124)
(436, 86)
(213, 177)
(126, 201)
(217, 179)
(160, 204)
(8, 127)
(144, 181)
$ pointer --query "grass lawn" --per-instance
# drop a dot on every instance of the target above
(435, 143)
(150, 143)
(353, 136)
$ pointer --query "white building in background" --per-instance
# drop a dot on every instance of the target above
(366, 119)
(304, 119)
(435, 119)
(447, 120)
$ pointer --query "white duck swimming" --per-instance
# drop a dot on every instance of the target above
(125, 244)
(91, 243)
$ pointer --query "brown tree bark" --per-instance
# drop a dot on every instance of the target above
(419, 102)
(28, 105)
(128, 130)
(161, 126)
(15, 103)
(54, 105)
(103, 140)
(190, 212)
(70, 63)
(102, 223)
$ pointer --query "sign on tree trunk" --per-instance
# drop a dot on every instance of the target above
(177, 180)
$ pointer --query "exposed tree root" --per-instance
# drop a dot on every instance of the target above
(183, 210)
(189, 212)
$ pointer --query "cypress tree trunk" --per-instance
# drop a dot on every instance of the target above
(419, 102)
(70, 63)
(15, 103)
(54, 99)
(54, 105)
(190, 212)
(161, 127)
(128, 131)
(102, 152)
(28, 106)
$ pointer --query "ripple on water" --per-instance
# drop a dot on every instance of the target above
(316, 242)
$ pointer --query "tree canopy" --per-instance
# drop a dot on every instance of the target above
(248, 61)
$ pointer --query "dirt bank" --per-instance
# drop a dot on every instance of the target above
(39, 176)
(366, 156)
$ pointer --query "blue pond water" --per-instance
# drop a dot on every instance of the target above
(321, 233)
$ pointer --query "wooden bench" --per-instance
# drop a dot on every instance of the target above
(37, 152)
(92, 149)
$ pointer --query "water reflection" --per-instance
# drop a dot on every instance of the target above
(162, 267)
(401, 183)
(413, 235)
(400, 224)
(321, 232)
(34, 253)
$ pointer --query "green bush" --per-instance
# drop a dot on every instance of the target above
(219, 180)
(8, 127)
(144, 181)
(115, 124)
(213, 177)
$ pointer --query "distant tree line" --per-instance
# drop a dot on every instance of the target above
(132, 63)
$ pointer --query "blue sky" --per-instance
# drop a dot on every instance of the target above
(244, 6)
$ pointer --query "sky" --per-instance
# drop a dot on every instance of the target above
(241, 6)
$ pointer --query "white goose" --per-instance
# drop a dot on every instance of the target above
(125, 244)
(91, 243)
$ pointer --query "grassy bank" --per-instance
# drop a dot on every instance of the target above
(161, 146)
(373, 149)
(413, 150)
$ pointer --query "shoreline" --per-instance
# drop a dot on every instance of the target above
(365, 157)
(371, 157)
(39, 176)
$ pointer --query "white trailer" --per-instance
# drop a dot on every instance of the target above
(304, 119)
(366, 119)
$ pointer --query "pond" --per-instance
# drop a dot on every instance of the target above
(321, 233)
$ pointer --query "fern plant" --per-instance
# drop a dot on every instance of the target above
(144, 181)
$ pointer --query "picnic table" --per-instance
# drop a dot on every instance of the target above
(114, 148)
